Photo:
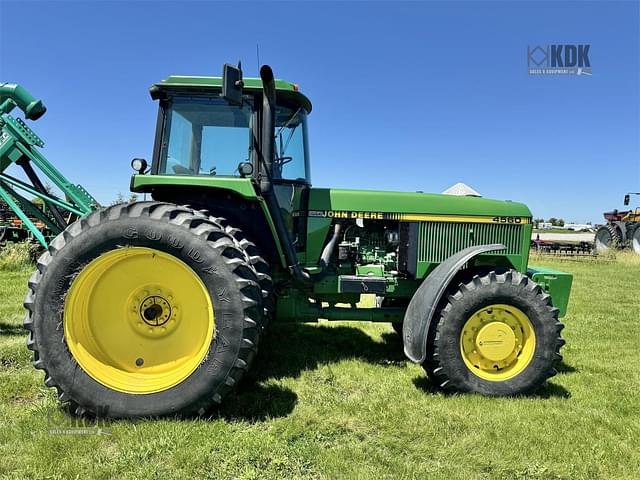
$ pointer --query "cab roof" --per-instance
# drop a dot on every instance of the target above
(178, 82)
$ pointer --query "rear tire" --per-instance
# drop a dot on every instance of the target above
(260, 266)
(607, 237)
(105, 382)
(496, 335)
(255, 259)
(635, 239)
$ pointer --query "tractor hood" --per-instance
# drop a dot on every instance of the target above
(374, 204)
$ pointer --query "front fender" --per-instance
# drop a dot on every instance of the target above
(425, 300)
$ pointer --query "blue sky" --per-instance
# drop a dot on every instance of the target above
(407, 96)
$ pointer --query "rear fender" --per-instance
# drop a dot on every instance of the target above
(223, 196)
(425, 300)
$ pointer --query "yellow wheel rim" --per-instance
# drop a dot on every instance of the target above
(138, 320)
(497, 342)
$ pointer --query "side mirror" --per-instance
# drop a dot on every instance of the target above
(232, 84)
(627, 199)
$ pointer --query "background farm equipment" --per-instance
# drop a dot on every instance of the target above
(562, 248)
(621, 231)
(12, 229)
(13, 232)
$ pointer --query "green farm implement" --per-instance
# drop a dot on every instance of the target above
(19, 145)
(157, 307)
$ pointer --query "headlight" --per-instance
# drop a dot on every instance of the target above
(139, 165)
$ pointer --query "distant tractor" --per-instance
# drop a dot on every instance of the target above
(158, 307)
(622, 229)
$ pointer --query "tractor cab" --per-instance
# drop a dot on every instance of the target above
(211, 137)
(201, 133)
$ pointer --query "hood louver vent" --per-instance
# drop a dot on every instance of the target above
(439, 240)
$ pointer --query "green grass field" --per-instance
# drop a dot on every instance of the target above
(341, 401)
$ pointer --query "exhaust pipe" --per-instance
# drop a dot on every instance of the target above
(268, 128)
(266, 185)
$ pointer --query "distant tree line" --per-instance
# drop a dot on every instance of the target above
(120, 198)
(556, 222)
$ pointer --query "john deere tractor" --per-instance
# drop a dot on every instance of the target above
(157, 307)
(622, 229)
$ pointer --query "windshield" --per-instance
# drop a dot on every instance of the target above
(291, 160)
(205, 136)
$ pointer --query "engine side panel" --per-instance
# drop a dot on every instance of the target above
(410, 243)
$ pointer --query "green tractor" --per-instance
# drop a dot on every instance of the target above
(157, 307)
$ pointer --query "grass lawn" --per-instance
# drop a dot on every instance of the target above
(340, 401)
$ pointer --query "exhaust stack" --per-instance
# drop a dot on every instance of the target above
(266, 185)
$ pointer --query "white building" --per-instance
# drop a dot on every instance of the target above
(462, 190)
(578, 227)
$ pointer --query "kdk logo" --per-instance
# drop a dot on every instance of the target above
(559, 59)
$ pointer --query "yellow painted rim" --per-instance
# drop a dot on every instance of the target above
(497, 342)
(138, 320)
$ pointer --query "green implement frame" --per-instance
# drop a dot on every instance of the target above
(19, 145)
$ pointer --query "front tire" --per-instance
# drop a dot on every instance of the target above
(144, 309)
(496, 335)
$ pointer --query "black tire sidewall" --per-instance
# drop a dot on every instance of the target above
(194, 251)
(454, 318)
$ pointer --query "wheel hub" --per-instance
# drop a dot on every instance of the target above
(155, 311)
(497, 342)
